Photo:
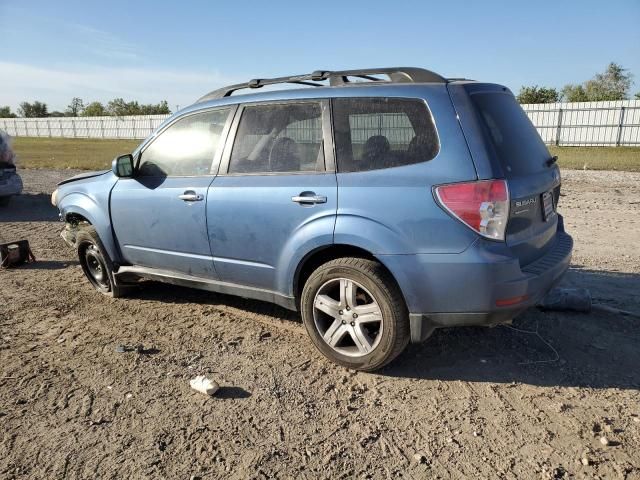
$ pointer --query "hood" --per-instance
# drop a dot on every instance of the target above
(84, 176)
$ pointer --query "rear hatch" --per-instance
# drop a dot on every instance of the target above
(516, 152)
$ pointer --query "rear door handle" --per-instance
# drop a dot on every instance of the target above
(191, 196)
(313, 198)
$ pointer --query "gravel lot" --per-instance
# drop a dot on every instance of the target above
(529, 401)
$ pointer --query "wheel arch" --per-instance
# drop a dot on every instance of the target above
(77, 207)
(75, 218)
(322, 255)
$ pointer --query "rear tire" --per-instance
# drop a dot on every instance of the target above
(355, 314)
(4, 201)
(96, 264)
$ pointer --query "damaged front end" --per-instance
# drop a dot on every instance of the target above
(10, 181)
(71, 228)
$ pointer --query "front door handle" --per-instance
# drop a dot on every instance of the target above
(309, 198)
(191, 196)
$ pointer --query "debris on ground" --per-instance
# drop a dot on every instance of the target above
(204, 385)
(15, 253)
(577, 300)
(571, 299)
(420, 458)
(138, 348)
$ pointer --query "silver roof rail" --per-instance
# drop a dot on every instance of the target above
(340, 77)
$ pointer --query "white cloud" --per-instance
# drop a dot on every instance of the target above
(83, 40)
(102, 43)
(56, 86)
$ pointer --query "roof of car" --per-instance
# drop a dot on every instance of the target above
(281, 95)
(403, 82)
(336, 78)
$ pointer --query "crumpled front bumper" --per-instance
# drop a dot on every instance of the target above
(69, 234)
(10, 185)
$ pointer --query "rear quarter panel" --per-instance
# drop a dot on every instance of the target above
(392, 211)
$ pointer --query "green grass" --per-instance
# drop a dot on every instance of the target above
(95, 154)
(598, 158)
(81, 153)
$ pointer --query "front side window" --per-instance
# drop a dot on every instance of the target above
(279, 138)
(186, 148)
(374, 133)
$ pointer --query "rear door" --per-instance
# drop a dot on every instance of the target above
(159, 215)
(275, 194)
(518, 154)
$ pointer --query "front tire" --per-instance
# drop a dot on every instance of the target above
(355, 314)
(95, 263)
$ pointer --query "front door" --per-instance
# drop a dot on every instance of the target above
(274, 195)
(159, 215)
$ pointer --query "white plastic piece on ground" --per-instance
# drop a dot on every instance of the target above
(204, 385)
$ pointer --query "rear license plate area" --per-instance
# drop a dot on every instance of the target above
(547, 205)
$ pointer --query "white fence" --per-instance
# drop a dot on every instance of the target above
(139, 126)
(569, 124)
(587, 123)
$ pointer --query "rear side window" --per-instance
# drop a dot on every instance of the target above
(374, 133)
(516, 142)
(279, 138)
(186, 148)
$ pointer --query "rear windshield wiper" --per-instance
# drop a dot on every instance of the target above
(551, 161)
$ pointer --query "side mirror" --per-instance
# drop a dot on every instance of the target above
(122, 166)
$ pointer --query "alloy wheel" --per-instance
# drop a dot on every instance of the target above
(348, 317)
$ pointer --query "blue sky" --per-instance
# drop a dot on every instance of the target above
(154, 50)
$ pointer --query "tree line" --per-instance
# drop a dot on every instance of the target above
(117, 107)
(613, 84)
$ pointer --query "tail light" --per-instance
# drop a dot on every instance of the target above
(483, 205)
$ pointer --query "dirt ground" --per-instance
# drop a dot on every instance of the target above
(528, 401)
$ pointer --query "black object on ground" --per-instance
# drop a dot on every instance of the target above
(572, 299)
(15, 254)
(139, 349)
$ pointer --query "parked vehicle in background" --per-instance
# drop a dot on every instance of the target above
(10, 181)
(381, 206)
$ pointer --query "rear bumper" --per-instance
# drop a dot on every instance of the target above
(462, 290)
(10, 186)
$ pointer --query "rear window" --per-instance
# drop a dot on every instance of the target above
(516, 142)
(374, 133)
(280, 138)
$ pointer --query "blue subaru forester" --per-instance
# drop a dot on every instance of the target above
(380, 203)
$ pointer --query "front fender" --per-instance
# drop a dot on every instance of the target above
(82, 204)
